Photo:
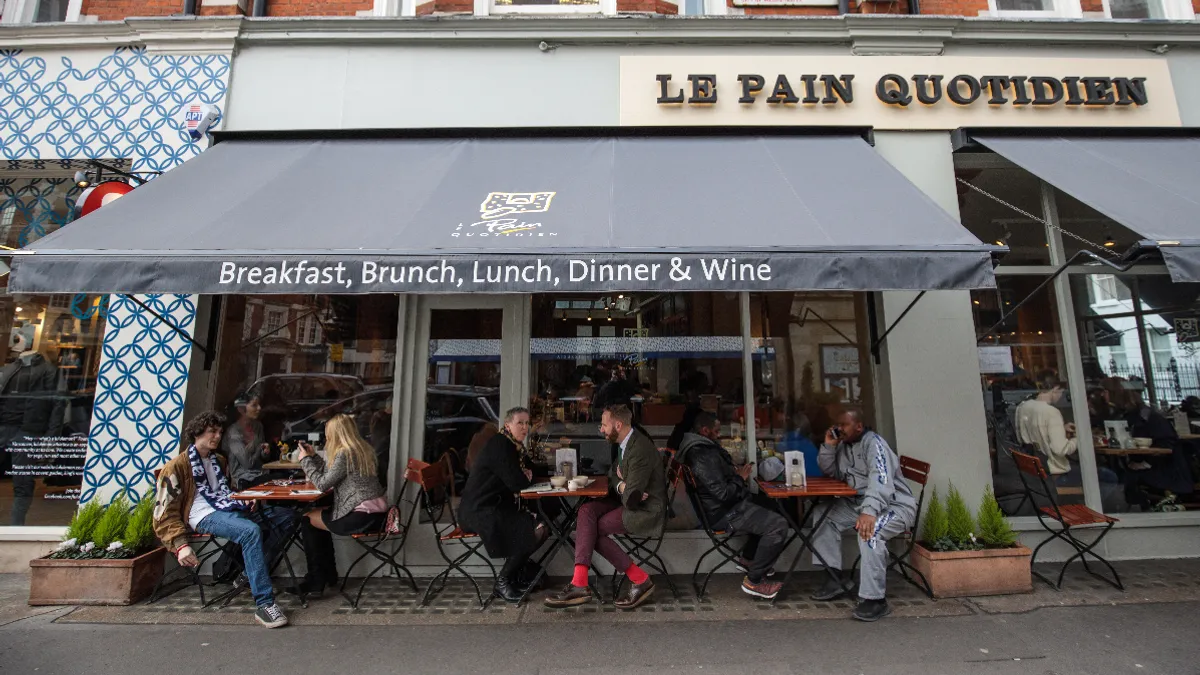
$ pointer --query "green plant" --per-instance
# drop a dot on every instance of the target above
(959, 516)
(112, 524)
(139, 532)
(84, 522)
(937, 527)
(994, 529)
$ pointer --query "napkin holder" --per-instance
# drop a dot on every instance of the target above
(794, 474)
(569, 456)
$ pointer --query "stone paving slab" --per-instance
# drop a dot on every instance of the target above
(387, 603)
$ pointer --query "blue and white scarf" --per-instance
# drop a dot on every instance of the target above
(219, 499)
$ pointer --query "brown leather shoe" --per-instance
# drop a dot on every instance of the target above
(636, 595)
(570, 596)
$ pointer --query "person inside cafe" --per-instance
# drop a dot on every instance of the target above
(349, 468)
(636, 504)
(1154, 482)
(193, 493)
(884, 508)
(490, 506)
(244, 445)
(724, 494)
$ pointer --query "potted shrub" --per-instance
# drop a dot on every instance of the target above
(961, 556)
(110, 556)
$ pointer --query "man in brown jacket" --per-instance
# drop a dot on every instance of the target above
(636, 504)
(194, 495)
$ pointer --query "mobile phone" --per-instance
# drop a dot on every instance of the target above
(836, 432)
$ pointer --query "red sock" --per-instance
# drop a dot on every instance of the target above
(581, 576)
(636, 575)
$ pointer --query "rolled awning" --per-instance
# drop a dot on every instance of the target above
(1147, 184)
(516, 215)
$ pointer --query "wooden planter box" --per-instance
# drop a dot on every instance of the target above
(957, 574)
(94, 582)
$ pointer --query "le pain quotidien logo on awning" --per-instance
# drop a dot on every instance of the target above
(509, 215)
(904, 90)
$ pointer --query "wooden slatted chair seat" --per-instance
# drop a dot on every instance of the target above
(1078, 515)
(458, 533)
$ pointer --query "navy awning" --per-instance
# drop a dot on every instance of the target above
(509, 214)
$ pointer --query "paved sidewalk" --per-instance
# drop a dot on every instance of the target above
(387, 603)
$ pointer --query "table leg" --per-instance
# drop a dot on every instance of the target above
(292, 539)
(805, 541)
(559, 539)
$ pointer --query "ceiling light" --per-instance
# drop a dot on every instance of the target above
(589, 315)
(975, 301)
(82, 180)
(610, 315)
(1109, 242)
(20, 309)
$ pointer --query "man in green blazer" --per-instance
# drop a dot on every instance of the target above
(636, 504)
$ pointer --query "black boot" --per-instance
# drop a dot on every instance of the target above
(507, 590)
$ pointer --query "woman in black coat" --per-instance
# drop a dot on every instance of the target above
(490, 505)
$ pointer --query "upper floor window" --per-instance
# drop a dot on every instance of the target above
(34, 11)
(547, 6)
(1149, 9)
(1035, 9)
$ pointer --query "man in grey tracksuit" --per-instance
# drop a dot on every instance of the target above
(884, 508)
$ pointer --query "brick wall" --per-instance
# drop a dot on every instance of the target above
(118, 10)
(318, 7)
(953, 7)
(856, 7)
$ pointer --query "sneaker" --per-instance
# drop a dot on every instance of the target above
(871, 610)
(742, 565)
(271, 616)
(831, 590)
(763, 589)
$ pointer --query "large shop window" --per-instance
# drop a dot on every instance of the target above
(1142, 373)
(1023, 362)
(288, 364)
(667, 355)
(48, 380)
(810, 364)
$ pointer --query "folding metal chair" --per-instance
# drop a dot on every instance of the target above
(436, 481)
(393, 533)
(917, 472)
(644, 550)
(720, 538)
(204, 547)
(1068, 517)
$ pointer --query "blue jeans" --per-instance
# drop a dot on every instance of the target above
(244, 529)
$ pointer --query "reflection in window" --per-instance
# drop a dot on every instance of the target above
(347, 367)
(1138, 376)
(1135, 9)
(49, 11)
(809, 366)
(667, 355)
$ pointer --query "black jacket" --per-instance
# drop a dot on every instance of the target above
(720, 489)
(29, 397)
(489, 503)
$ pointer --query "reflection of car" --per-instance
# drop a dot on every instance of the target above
(453, 414)
(362, 407)
(295, 396)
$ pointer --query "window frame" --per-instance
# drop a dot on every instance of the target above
(1173, 10)
(1063, 9)
(25, 12)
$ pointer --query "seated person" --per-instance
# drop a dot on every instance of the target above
(490, 509)
(194, 492)
(884, 508)
(799, 440)
(359, 502)
(1040, 424)
(727, 502)
(244, 445)
(636, 504)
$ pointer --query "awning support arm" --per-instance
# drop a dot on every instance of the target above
(182, 333)
(1119, 267)
(875, 346)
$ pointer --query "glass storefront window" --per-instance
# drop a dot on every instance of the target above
(810, 364)
(303, 375)
(1086, 229)
(995, 223)
(1139, 372)
(48, 381)
(1023, 352)
(668, 355)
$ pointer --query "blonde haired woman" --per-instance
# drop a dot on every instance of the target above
(359, 504)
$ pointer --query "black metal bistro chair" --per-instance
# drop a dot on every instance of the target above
(720, 538)
(436, 481)
(915, 471)
(1067, 519)
(644, 550)
(387, 543)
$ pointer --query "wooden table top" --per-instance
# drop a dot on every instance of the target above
(1189, 437)
(818, 486)
(282, 464)
(1125, 452)
(597, 488)
(279, 493)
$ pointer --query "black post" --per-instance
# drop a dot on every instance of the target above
(260, 8)
(189, 7)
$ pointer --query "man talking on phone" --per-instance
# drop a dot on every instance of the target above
(884, 508)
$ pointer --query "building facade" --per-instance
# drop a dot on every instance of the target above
(424, 371)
